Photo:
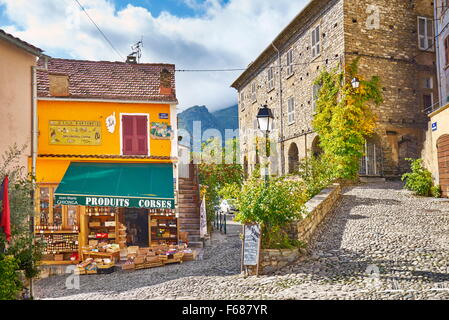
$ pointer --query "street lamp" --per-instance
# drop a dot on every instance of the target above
(355, 83)
(265, 119)
(265, 122)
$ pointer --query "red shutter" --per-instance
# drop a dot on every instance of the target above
(135, 135)
(142, 135)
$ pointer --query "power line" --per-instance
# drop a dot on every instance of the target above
(243, 69)
(98, 28)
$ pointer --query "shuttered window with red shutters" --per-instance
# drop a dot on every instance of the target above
(135, 135)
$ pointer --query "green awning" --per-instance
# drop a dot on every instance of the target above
(117, 185)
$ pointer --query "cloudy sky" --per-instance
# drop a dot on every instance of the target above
(193, 34)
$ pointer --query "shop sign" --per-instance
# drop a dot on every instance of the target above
(251, 244)
(163, 115)
(117, 202)
(74, 132)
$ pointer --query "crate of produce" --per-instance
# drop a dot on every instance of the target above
(128, 266)
(139, 259)
(143, 251)
(189, 256)
(154, 264)
(154, 259)
(95, 224)
(59, 257)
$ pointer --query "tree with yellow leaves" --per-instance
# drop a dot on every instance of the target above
(344, 118)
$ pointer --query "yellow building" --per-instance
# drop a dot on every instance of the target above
(106, 156)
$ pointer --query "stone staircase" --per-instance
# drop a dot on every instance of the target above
(189, 208)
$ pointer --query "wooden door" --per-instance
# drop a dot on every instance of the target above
(443, 163)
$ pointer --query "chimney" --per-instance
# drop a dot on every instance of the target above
(131, 59)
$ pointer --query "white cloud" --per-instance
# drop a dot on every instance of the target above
(225, 36)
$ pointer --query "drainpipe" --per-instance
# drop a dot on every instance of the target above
(437, 52)
(35, 125)
(281, 111)
(34, 139)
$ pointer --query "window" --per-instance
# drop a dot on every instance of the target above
(51, 216)
(290, 62)
(446, 50)
(291, 110)
(253, 92)
(134, 135)
(427, 100)
(428, 83)
(316, 49)
(315, 92)
(270, 79)
(242, 99)
(425, 33)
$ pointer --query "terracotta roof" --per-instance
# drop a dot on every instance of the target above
(20, 43)
(108, 80)
(104, 156)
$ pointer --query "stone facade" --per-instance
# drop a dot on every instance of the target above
(384, 34)
(317, 209)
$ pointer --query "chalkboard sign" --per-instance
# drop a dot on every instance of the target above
(251, 245)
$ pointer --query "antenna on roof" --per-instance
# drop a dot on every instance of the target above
(136, 54)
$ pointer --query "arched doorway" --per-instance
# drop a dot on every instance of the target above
(293, 158)
(371, 161)
(443, 163)
(407, 148)
(316, 149)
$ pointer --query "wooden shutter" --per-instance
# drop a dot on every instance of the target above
(135, 135)
(446, 50)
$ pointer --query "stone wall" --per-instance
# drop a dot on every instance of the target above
(317, 209)
(388, 50)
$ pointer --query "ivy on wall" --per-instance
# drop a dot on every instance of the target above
(344, 117)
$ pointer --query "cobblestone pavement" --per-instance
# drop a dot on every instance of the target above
(381, 242)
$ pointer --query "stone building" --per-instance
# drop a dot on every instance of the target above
(394, 40)
(436, 146)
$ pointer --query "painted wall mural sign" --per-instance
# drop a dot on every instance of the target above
(75, 132)
(161, 131)
(111, 122)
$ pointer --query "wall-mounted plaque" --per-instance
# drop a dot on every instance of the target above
(161, 131)
(75, 132)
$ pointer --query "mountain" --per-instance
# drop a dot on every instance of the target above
(222, 119)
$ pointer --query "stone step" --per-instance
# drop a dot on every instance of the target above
(189, 220)
(186, 204)
(189, 210)
(188, 192)
(196, 244)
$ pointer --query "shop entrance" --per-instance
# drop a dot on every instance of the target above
(136, 222)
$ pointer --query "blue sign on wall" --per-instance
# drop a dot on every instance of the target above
(163, 115)
(434, 126)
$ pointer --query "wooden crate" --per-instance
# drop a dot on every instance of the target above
(131, 266)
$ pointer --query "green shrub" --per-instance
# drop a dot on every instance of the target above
(273, 206)
(419, 180)
(317, 173)
(435, 191)
(10, 284)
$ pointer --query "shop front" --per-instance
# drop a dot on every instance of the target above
(117, 204)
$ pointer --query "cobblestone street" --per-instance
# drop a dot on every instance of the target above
(381, 242)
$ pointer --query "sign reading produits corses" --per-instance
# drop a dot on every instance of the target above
(251, 245)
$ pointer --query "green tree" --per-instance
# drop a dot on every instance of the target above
(273, 206)
(218, 167)
(23, 247)
(344, 117)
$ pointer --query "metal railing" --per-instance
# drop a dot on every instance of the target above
(220, 221)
